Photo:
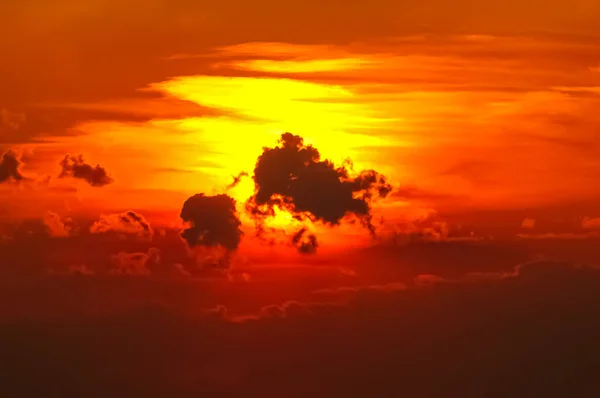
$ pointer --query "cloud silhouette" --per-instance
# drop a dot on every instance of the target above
(9, 167)
(292, 176)
(75, 167)
(237, 179)
(305, 243)
(213, 222)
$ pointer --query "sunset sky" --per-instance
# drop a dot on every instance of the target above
(478, 122)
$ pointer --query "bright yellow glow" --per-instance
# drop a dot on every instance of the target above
(303, 66)
(258, 110)
(202, 154)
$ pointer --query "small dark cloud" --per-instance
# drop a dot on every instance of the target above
(237, 179)
(305, 243)
(9, 167)
(292, 176)
(75, 167)
(213, 222)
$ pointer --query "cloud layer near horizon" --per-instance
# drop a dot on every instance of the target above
(533, 325)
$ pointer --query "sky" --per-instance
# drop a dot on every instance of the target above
(245, 174)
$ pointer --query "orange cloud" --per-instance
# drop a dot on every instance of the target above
(135, 263)
(590, 223)
(528, 223)
(57, 226)
(10, 119)
(128, 223)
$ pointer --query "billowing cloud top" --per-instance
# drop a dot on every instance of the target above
(9, 167)
(292, 176)
(213, 222)
(128, 223)
(76, 167)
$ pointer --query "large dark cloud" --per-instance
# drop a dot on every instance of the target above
(75, 167)
(9, 167)
(213, 222)
(292, 176)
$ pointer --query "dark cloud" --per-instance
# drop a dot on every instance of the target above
(305, 243)
(75, 167)
(237, 179)
(213, 222)
(292, 176)
(127, 223)
(9, 167)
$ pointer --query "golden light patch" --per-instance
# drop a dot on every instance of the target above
(303, 66)
(259, 110)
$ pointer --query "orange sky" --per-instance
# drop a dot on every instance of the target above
(130, 268)
(496, 110)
